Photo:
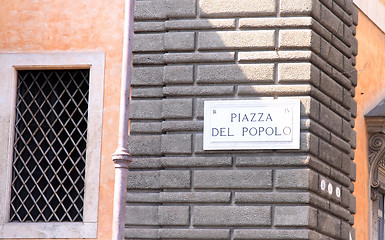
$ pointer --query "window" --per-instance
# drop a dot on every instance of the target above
(375, 121)
(381, 217)
(50, 139)
(49, 149)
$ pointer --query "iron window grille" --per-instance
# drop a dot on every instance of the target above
(48, 171)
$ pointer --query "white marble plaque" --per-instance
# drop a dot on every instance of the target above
(251, 124)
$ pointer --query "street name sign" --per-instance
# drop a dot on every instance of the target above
(251, 124)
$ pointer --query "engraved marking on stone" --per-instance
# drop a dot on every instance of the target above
(323, 185)
(338, 192)
(248, 124)
(330, 188)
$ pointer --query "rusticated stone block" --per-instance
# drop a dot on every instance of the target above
(176, 143)
(232, 216)
(195, 197)
(146, 109)
(146, 92)
(148, 42)
(300, 7)
(240, 8)
(149, 27)
(293, 38)
(198, 91)
(199, 57)
(143, 215)
(297, 73)
(330, 120)
(133, 233)
(329, 225)
(149, 10)
(243, 179)
(144, 144)
(178, 74)
(194, 233)
(151, 127)
(295, 216)
(179, 41)
(330, 154)
(331, 22)
(272, 234)
(147, 76)
(236, 40)
(174, 215)
(174, 179)
(296, 179)
(331, 88)
(200, 24)
(180, 8)
(177, 108)
(143, 180)
(242, 73)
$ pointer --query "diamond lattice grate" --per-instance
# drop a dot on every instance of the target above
(50, 146)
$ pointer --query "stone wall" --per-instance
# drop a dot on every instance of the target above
(189, 51)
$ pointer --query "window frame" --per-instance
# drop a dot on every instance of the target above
(12, 62)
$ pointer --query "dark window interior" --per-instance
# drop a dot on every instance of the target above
(50, 146)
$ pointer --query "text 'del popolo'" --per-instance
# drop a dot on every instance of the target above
(251, 124)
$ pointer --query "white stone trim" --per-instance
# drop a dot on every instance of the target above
(10, 63)
(374, 9)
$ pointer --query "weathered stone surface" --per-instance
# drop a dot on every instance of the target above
(148, 42)
(144, 127)
(147, 76)
(298, 73)
(293, 38)
(200, 24)
(176, 143)
(174, 179)
(300, 7)
(146, 92)
(236, 40)
(178, 74)
(144, 144)
(143, 215)
(295, 216)
(150, 10)
(195, 197)
(232, 216)
(272, 234)
(329, 224)
(273, 22)
(180, 8)
(177, 108)
(174, 215)
(143, 180)
(242, 73)
(199, 57)
(190, 51)
(146, 109)
(198, 91)
(242, 179)
(179, 41)
(296, 179)
(194, 233)
(240, 8)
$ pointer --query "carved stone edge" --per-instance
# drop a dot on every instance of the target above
(375, 124)
(376, 154)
